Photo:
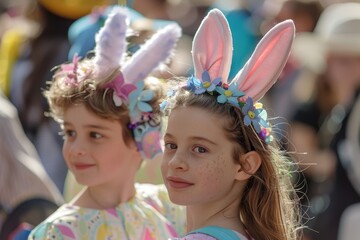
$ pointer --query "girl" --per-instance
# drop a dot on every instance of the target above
(218, 160)
(110, 120)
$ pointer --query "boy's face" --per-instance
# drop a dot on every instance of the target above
(198, 166)
(95, 151)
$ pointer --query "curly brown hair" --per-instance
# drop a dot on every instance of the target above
(96, 97)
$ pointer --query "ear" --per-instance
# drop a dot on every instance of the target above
(212, 47)
(267, 62)
(250, 163)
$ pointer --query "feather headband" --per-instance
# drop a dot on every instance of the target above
(212, 56)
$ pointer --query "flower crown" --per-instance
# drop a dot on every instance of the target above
(212, 55)
(253, 113)
(129, 74)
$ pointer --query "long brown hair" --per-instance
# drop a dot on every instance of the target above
(268, 208)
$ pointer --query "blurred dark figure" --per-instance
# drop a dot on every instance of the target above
(47, 46)
(350, 218)
(25, 188)
(284, 96)
(319, 126)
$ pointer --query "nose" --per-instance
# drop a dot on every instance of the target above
(75, 148)
(178, 161)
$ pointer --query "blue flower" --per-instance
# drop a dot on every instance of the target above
(255, 116)
(206, 84)
(138, 99)
(229, 94)
(193, 83)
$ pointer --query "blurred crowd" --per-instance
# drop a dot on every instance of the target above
(315, 102)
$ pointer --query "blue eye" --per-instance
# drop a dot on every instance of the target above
(170, 146)
(200, 150)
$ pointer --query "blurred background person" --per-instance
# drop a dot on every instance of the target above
(350, 218)
(22, 176)
(318, 127)
(284, 96)
(34, 54)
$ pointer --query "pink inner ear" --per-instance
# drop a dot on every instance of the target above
(212, 47)
(267, 61)
(264, 59)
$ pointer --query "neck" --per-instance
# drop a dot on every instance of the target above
(104, 197)
(216, 215)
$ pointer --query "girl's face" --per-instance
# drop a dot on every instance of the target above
(198, 165)
(94, 149)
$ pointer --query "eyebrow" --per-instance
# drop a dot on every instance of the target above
(90, 126)
(193, 138)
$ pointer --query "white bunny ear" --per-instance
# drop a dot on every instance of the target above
(268, 60)
(154, 52)
(111, 42)
(212, 47)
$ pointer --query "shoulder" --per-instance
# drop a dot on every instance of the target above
(157, 197)
(152, 193)
(63, 222)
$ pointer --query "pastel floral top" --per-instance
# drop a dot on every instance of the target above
(148, 216)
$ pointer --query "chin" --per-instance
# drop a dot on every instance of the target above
(85, 181)
(183, 200)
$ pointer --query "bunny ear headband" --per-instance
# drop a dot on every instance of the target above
(212, 56)
(128, 83)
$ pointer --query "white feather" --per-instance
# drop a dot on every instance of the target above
(154, 52)
(111, 42)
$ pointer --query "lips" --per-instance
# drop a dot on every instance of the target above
(178, 183)
(83, 166)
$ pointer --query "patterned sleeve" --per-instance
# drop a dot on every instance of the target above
(46, 231)
(157, 196)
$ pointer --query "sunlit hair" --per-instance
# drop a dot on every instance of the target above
(96, 97)
(269, 207)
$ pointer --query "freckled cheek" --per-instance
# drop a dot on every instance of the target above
(211, 172)
(217, 169)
